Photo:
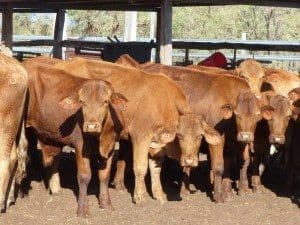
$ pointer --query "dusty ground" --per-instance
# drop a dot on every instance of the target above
(42, 208)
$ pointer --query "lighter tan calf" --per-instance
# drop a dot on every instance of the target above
(13, 85)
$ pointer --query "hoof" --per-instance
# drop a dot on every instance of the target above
(220, 198)
(108, 207)
(54, 193)
(2, 207)
(161, 198)
(242, 192)
(83, 213)
(138, 199)
(119, 186)
(185, 192)
(193, 188)
(105, 203)
(257, 189)
(10, 201)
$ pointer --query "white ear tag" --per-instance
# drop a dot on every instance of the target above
(273, 150)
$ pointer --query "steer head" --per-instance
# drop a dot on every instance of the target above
(248, 110)
(94, 98)
(278, 115)
(192, 128)
(253, 72)
(294, 96)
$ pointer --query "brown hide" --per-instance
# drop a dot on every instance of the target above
(277, 110)
(214, 70)
(282, 81)
(13, 86)
(60, 105)
(127, 60)
(250, 70)
(208, 95)
(155, 103)
(45, 60)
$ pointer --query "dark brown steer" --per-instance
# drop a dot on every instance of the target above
(67, 110)
(151, 117)
(13, 86)
(293, 154)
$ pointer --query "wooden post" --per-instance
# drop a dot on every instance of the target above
(130, 26)
(7, 25)
(158, 32)
(166, 32)
(58, 33)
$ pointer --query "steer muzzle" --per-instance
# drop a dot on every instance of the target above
(189, 160)
(277, 139)
(92, 127)
(245, 137)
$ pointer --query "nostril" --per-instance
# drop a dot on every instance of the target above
(91, 126)
(188, 161)
(277, 139)
(245, 136)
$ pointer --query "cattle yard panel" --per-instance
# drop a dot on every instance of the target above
(164, 18)
(164, 22)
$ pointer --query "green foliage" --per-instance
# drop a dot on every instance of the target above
(95, 23)
(217, 22)
(228, 22)
(33, 24)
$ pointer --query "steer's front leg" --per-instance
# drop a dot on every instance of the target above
(140, 165)
(243, 183)
(104, 177)
(83, 177)
(155, 169)
(217, 169)
(185, 186)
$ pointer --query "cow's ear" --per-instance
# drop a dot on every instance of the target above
(294, 94)
(118, 99)
(117, 107)
(267, 112)
(211, 135)
(227, 111)
(70, 102)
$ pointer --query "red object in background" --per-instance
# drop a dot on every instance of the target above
(217, 59)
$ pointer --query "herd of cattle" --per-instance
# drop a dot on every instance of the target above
(162, 110)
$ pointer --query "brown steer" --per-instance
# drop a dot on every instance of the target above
(67, 110)
(246, 106)
(13, 86)
(281, 81)
(209, 95)
(151, 117)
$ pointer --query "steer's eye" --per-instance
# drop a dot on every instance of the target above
(106, 102)
(198, 136)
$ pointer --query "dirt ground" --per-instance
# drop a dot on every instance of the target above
(262, 208)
